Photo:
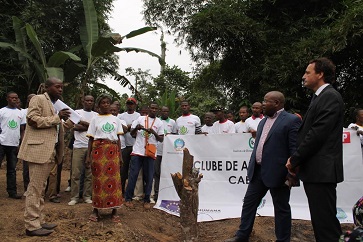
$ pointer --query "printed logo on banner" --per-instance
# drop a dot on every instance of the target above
(179, 144)
(170, 205)
(341, 215)
(251, 142)
(346, 137)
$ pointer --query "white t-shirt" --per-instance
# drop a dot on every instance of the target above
(241, 127)
(359, 128)
(80, 138)
(252, 123)
(187, 125)
(226, 127)
(10, 121)
(24, 111)
(122, 137)
(105, 127)
(139, 146)
(129, 118)
(169, 127)
(207, 129)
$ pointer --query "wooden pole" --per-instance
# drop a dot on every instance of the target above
(186, 185)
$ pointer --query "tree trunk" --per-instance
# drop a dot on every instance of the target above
(186, 186)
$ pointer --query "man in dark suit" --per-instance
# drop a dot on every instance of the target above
(275, 142)
(319, 156)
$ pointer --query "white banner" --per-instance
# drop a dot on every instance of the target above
(223, 160)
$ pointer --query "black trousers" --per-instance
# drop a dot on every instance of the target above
(322, 200)
(126, 157)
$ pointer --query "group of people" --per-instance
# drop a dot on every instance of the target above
(116, 157)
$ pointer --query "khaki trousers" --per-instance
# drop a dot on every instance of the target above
(52, 182)
(34, 202)
(78, 164)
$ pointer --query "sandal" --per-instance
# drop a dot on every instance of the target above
(116, 219)
(93, 217)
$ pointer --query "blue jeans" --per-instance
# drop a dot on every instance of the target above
(136, 163)
(11, 160)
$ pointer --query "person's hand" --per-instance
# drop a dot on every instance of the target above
(253, 133)
(289, 168)
(64, 114)
(151, 131)
(139, 126)
(292, 181)
(83, 123)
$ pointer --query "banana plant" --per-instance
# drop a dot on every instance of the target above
(97, 46)
(43, 68)
(169, 100)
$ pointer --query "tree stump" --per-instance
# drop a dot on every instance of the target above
(186, 185)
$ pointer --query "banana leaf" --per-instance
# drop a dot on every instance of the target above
(91, 27)
(72, 70)
(55, 72)
(107, 88)
(34, 39)
(139, 31)
(59, 57)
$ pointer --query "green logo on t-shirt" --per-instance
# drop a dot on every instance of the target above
(144, 134)
(12, 124)
(183, 130)
(108, 128)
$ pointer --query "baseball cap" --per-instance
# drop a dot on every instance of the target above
(131, 99)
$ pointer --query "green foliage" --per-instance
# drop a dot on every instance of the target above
(247, 48)
(57, 26)
(169, 100)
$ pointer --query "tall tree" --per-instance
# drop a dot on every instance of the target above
(254, 46)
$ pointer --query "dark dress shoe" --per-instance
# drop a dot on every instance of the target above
(236, 239)
(14, 196)
(48, 226)
(39, 232)
(54, 200)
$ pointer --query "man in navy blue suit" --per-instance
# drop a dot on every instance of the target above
(275, 142)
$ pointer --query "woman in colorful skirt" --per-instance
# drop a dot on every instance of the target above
(104, 156)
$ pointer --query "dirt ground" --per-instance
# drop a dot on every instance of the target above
(136, 224)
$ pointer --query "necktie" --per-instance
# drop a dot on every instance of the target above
(312, 99)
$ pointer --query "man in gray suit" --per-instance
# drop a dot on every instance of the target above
(318, 160)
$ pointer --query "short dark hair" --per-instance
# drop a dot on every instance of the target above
(9, 93)
(327, 67)
(153, 103)
(184, 101)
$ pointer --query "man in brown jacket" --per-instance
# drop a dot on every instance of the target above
(42, 147)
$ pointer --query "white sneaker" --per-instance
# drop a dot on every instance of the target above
(72, 203)
(68, 189)
(137, 198)
(152, 200)
(89, 201)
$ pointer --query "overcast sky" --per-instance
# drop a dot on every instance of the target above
(126, 17)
